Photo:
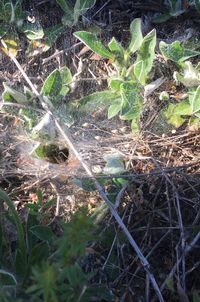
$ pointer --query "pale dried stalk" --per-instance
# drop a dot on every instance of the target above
(103, 195)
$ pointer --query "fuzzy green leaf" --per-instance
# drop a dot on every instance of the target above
(114, 109)
(115, 47)
(139, 72)
(146, 53)
(131, 101)
(52, 85)
(19, 97)
(92, 42)
(175, 113)
(195, 101)
(33, 31)
(97, 100)
(66, 77)
(136, 36)
(64, 5)
(80, 8)
(114, 83)
(175, 52)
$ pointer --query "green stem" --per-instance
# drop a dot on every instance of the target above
(17, 221)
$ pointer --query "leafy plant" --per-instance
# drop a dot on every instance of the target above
(124, 97)
(72, 14)
(44, 266)
(189, 76)
(176, 8)
(40, 127)
(176, 52)
(12, 21)
(177, 114)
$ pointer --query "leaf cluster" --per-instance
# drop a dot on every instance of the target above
(45, 266)
(124, 97)
(189, 76)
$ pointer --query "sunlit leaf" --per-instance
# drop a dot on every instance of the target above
(33, 31)
(97, 100)
(139, 72)
(64, 5)
(114, 109)
(136, 36)
(146, 53)
(66, 77)
(190, 76)
(12, 42)
(194, 99)
(80, 8)
(92, 42)
(115, 46)
(53, 84)
(175, 52)
(19, 97)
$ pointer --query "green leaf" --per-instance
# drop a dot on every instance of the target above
(97, 100)
(175, 113)
(183, 108)
(114, 109)
(131, 101)
(42, 232)
(135, 126)
(80, 8)
(175, 52)
(195, 101)
(114, 164)
(44, 130)
(92, 42)
(16, 220)
(12, 42)
(190, 77)
(115, 47)
(136, 36)
(7, 279)
(146, 52)
(115, 83)
(52, 85)
(33, 31)
(66, 77)
(64, 5)
(139, 72)
(19, 97)
(86, 184)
